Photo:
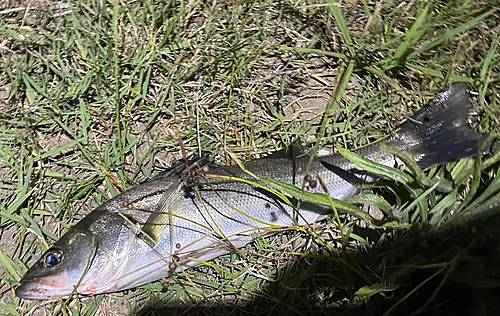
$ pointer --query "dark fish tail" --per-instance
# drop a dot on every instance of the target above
(440, 132)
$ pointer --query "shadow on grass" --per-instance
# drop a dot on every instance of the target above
(451, 271)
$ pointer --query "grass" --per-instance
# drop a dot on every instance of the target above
(94, 95)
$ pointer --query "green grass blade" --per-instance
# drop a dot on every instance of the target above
(10, 266)
(332, 105)
(452, 33)
(376, 168)
(323, 199)
(488, 60)
(393, 83)
(412, 36)
(370, 199)
(337, 14)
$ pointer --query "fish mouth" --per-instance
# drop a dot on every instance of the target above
(43, 288)
(58, 286)
(29, 292)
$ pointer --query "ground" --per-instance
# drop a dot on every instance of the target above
(95, 95)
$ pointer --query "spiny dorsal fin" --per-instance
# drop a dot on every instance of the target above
(148, 208)
(179, 168)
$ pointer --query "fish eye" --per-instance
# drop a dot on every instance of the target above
(53, 257)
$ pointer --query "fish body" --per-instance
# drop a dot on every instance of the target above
(173, 222)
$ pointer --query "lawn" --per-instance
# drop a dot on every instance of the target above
(98, 96)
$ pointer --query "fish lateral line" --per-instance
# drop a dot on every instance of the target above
(280, 195)
(236, 209)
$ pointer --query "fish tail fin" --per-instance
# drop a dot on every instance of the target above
(440, 132)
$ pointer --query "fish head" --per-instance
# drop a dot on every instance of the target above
(103, 253)
(61, 268)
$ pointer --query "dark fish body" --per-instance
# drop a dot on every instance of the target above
(167, 224)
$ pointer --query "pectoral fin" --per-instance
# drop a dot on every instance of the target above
(160, 222)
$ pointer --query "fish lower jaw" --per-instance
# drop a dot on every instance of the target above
(33, 291)
(36, 292)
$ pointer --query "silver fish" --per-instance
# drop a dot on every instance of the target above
(174, 221)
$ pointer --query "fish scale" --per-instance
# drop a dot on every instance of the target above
(169, 224)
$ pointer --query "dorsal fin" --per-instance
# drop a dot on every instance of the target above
(179, 168)
(293, 151)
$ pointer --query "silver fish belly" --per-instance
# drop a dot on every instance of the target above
(167, 225)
